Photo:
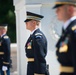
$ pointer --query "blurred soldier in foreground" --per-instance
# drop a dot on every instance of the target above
(4, 51)
(36, 46)
(66, 46)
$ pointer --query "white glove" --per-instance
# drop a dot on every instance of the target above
(4, 68)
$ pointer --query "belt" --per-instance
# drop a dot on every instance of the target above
(1, 53)
(66, 69)
(30, 59)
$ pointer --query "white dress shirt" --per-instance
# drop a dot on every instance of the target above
(68, 22)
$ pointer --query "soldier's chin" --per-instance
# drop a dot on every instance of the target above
(27, 28)
(60, 19)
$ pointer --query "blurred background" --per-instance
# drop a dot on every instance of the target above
(7, 15)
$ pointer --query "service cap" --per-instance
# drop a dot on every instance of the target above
(59, 3)
(33, 16)
(3, 26)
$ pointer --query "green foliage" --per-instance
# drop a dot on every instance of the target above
(7, 15)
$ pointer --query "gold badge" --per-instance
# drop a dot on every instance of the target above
(29, 45)
(63, 48)
(74, 28)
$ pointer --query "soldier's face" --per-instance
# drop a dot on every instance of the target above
(30, 25)
(62, 13)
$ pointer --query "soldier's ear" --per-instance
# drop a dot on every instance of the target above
(71, 9)
(34, 22)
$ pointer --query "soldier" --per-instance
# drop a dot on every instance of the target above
(4, 51)
(66, 45)
(36, 46)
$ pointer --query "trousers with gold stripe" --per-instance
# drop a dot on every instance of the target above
(30, 67)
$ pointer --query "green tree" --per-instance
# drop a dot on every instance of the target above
(7, 15)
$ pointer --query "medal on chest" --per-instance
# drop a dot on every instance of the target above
(29, 45)
(64, 46)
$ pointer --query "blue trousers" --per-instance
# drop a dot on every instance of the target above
(30, 68)
(3, 73)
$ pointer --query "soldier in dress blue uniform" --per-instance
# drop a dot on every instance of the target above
(36, 46)
(4, 51)
(66, 45)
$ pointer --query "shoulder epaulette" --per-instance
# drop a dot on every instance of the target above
(73, 28)
(5, 37)
(38, 34)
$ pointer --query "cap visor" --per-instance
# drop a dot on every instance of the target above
(27, 20)
(59, 5)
